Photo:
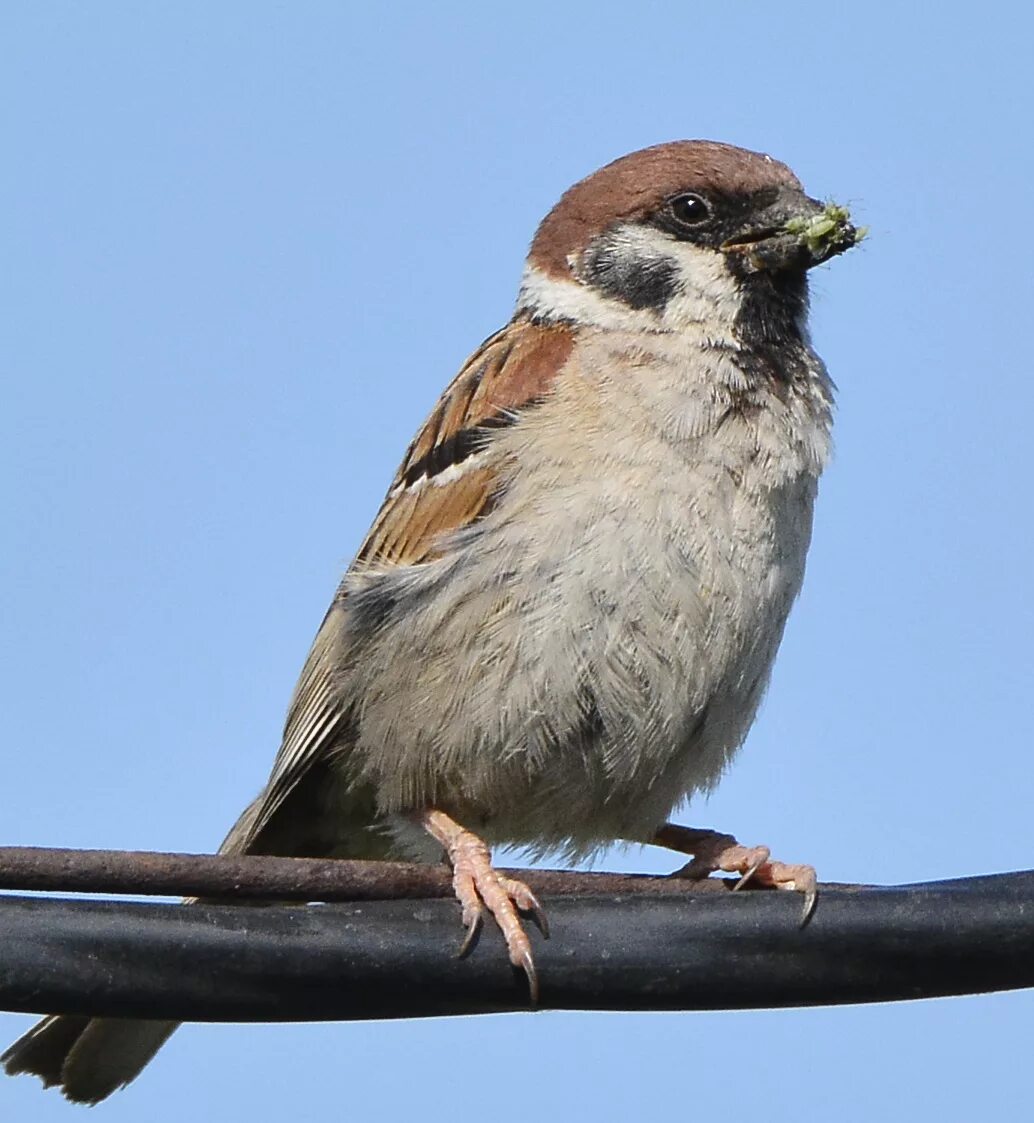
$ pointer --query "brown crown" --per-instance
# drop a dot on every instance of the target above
(638, 183)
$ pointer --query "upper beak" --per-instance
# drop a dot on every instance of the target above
(795, 233)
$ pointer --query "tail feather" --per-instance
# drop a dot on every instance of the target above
(43, 1049)
(88, 1057)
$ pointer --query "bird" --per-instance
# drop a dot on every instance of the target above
(564, 616)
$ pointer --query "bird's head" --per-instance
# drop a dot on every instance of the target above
(680, 233)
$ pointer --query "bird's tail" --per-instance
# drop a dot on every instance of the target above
(89, 1058)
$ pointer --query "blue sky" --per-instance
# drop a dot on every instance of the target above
(246, 244)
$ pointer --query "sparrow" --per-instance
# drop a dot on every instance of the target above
(563, 619)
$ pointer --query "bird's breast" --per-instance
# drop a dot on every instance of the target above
(596, 649)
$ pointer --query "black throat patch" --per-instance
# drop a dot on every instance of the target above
(770, 324)
(773, 304)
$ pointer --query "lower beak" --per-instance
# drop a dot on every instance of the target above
(795, 238)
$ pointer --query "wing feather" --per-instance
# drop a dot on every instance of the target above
(443, 484)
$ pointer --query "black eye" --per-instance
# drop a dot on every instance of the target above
(690, 209)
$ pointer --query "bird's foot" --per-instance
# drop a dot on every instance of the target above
(713, 852)
(479, 886)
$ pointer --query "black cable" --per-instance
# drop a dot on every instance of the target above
(387, 959)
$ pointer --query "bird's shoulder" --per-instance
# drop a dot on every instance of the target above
(447, 479)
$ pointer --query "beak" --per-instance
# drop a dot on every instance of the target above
(794, 233)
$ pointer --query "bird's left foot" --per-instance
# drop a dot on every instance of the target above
(713, 852)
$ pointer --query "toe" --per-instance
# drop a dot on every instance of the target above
(744, 860)
(526, 901)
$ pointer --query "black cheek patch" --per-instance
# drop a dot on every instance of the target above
(639, 281)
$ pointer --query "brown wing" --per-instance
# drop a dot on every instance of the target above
(442, 483)
(440, 487)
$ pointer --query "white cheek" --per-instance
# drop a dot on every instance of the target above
(568, 299)
(707, 292)
(707, 295)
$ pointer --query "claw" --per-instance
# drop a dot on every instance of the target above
(807, 884)
(473, 931)
(527, 902)
(810, 897)
(747, 875)
(527, 965)
(538, 914)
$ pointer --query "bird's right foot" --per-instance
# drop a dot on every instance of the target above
(479, 886)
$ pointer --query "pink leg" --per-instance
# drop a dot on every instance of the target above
(713, 851)
(479, 886)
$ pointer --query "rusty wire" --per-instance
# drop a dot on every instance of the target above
(260, 877)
